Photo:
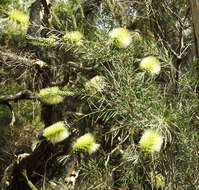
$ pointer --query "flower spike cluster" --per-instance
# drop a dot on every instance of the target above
(151, 65)
(19, 17)
(73, 37)
(56, 132)
(121, 37)
(86, 143)
(151, 141)
(50, 95)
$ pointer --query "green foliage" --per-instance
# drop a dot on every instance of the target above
(95, 175)
(133, 102)
(67, 14)
(129, 111)
(4, 4)
(5, 115)
(48, 42)
(14, 28)
(94, 85)
(13, 38)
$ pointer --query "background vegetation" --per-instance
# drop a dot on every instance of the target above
(96, 86)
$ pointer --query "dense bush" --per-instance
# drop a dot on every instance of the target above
(128, 100)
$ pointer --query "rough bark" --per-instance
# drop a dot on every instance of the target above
(35, 18)
(195, 19)
(12, 59)
(39, 15)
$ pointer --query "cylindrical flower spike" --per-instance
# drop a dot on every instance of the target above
(19, 17)
(86, 143)
(151, 141)
(151, 65)
(51, 95)
(74, 37)
(121, 37)
(56, 132)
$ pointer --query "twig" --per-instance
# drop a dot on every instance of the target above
(81, 67)
(31, 185)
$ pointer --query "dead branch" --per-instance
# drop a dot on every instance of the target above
(10, 57)
(23, 95)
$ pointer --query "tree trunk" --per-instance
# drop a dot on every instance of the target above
(195, 19)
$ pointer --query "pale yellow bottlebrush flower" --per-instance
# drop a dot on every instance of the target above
(121, 37)
(151, 65)
(19, 17)
(50, 95)
(93, 148)
(94, 85)
(86, 143)
(157, 180)
(151, 141)
(56, 132)
(74, 37)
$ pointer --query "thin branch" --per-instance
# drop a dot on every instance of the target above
(6, 103)
(6, 57)
(23, 95)
(80, 67)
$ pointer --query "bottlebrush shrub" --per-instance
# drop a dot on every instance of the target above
(121, 37)
(56, 132)
(94, 85)
(53, 95)
(151, 141)
(151, 65)
(86, 143)
(74, 37)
